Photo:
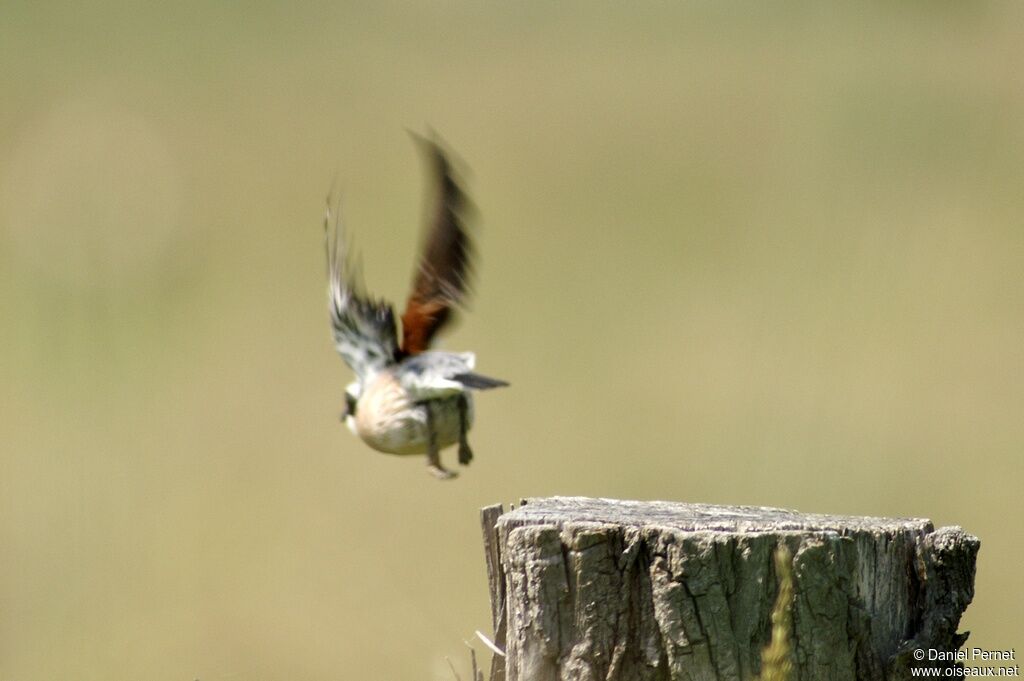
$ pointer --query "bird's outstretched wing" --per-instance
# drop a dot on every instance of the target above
(442, 274)
(363, 328)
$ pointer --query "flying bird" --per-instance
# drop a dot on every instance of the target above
(407, 398)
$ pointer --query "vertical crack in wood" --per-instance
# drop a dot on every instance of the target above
(945, 565)
(496, 584)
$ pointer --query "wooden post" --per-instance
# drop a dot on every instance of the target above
(604, 590)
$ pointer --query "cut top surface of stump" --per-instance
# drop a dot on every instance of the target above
(698, 517)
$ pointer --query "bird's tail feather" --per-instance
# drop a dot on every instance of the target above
(478, 382)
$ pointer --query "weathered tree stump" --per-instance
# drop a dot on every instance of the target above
(601, 590)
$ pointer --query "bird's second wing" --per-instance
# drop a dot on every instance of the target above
(442, 274)
(363, 328)
(433, 374)
(436, 374)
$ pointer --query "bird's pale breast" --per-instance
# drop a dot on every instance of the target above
(388, 420)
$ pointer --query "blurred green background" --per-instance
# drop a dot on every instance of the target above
(730, 252)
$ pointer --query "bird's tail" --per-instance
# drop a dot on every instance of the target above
(478, 382)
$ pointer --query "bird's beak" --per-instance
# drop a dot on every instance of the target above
(349, 409)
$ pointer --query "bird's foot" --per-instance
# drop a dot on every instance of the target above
(465, 453)
(440, 472)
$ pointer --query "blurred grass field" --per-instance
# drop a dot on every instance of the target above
(730, 253)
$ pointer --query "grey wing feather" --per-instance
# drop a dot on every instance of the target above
(364, 329)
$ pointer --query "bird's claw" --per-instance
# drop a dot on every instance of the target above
(440, 472)
(465, 454)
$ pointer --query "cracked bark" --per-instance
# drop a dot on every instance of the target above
(604, 590)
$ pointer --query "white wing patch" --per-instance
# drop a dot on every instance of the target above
(363, 328)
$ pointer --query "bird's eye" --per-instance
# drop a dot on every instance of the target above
(350, 405)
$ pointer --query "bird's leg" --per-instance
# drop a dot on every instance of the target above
(434, 466)
(465, 453)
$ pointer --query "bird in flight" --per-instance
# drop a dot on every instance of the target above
(407, 398)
